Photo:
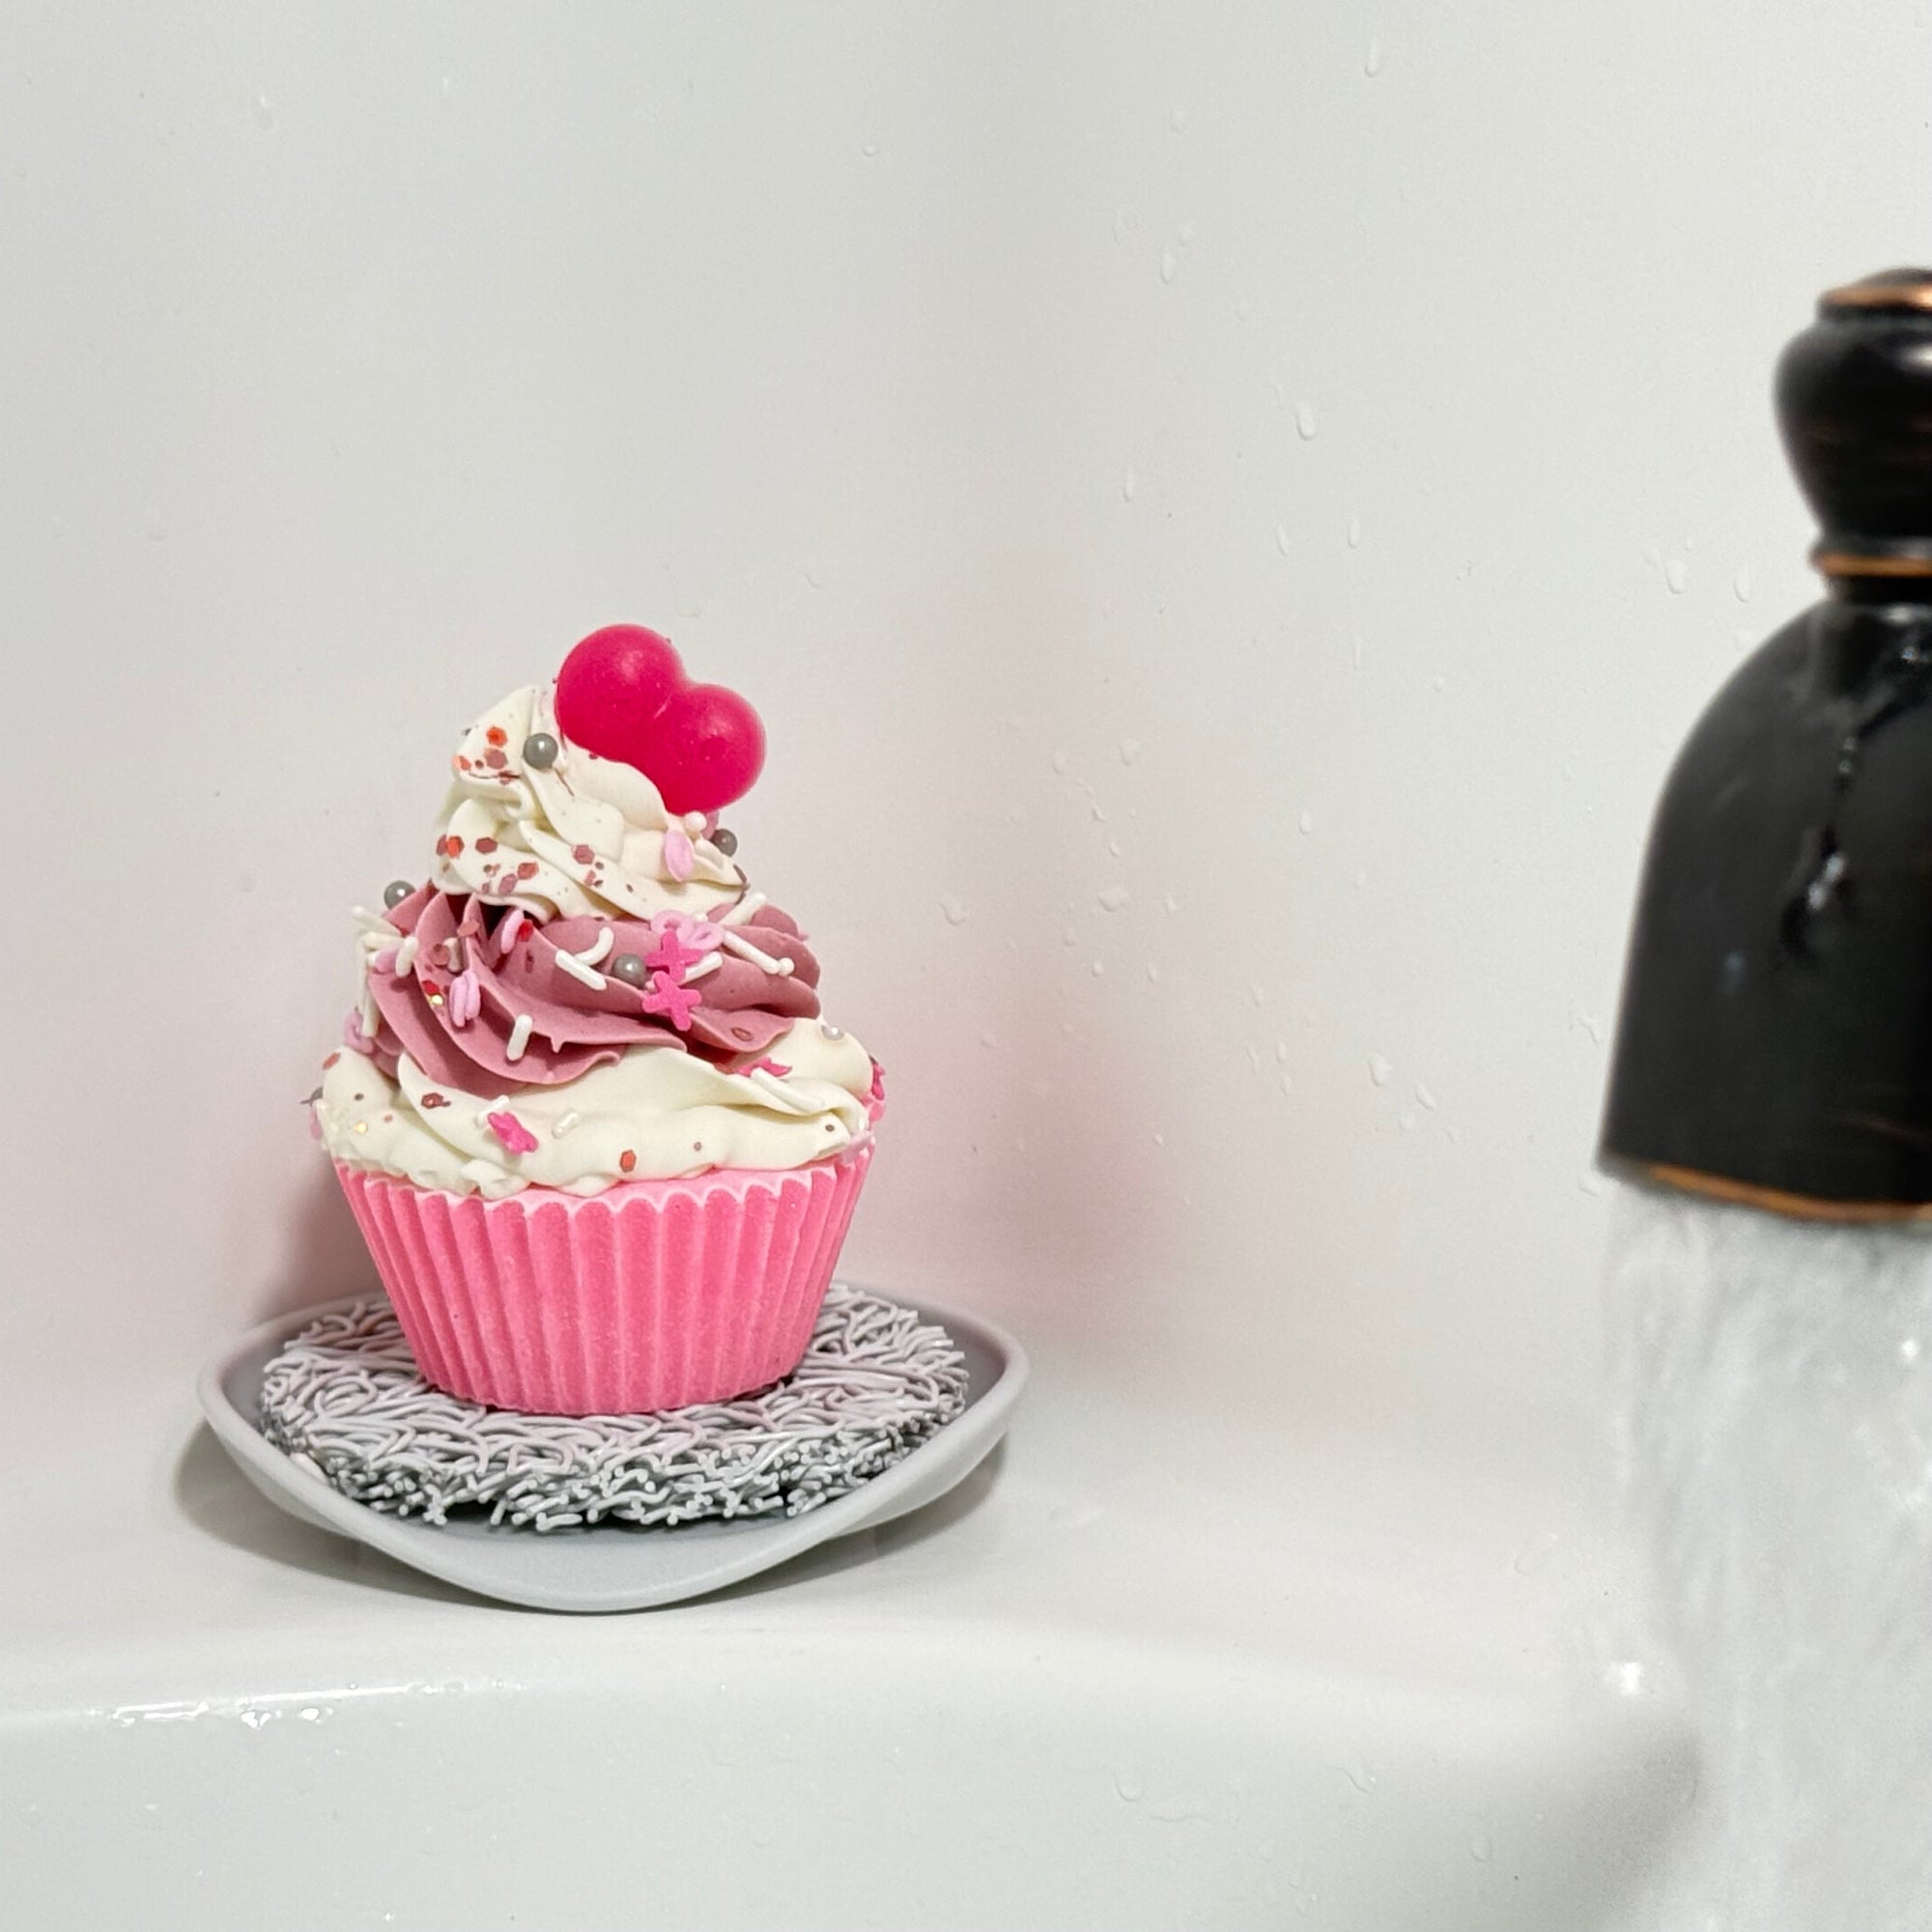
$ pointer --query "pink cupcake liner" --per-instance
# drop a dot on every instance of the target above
(652, 1294)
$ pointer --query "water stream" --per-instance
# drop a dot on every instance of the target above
(1771, 1397)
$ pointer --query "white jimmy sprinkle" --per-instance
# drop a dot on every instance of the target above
(406, 956)
(372, 922)
(520, 1038)
(742, 911)
(710, 963)
(744, 949)
(573, 964)
(596, 948)
(565, 1124)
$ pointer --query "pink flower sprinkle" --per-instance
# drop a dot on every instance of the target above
(506, 933)
(512, 1132)
(669, 957)
(667, 997)
(678, 855)
(386, 960)
(777, 1068)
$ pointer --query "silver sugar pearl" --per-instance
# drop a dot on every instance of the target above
(830, 1031)
(629, 968)
(396, 891)
(540, 751)
(726, 841)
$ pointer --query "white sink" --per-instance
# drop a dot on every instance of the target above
(1082, 1692)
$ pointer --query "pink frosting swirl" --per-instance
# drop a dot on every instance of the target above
(475, 996)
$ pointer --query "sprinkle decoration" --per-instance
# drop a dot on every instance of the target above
(676, 1002)
(346, 1401)
(776, 1067)
(511, 1131)
(679, 857)
(465, 997)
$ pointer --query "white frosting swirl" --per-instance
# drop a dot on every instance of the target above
(591, 830)
(672, 1113)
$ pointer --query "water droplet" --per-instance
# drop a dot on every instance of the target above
(1170, 902)
(1741, 583)
(1130, 749)
(1113, 899)
(1381, 1071)
(1480, 1849)
(1281, 1051)
(1625, 1678)
(954, 909)
(1591, 1182)
(1160, 1140)
(1363, 1778)
(1178, 120)
(1099, 968)
(1354, 533)
(1070, 935)
(1306, 823)
(1424, 1098)
(1408, 1118)
(1282, 540)
(1908, 1350)
(986, 1037)
(1259, 994)
(1361, 882)
(1304, 421)
(1355, 652)
(1131, 1784)
(1154, 973)
(1060, 762)
(265, 112)
(1130, 482)
(1100, 814)
(1286, 1081)
(1113, 848)
(814, 573)
(871, 149)
(1184, 234)
(1653, 556)
(1167, 265)
(1243, 310)
(1677, 576)
(1372, 61)
(1439, 682)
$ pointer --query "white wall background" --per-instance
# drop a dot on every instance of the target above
(1225, 510)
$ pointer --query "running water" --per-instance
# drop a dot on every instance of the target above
(1772, 1395)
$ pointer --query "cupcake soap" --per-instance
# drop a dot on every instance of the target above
(600, 1139)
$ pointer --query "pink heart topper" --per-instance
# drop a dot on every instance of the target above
(622, 693)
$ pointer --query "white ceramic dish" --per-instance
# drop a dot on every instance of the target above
(613, 1566)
